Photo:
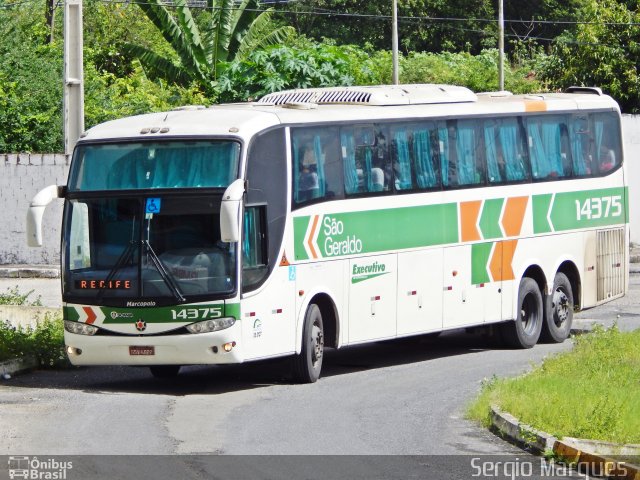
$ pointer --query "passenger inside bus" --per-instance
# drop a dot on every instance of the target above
(308, 186)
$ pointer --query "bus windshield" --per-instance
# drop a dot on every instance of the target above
(166, 249)
(142, 165)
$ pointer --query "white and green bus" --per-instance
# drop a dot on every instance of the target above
(332, 217)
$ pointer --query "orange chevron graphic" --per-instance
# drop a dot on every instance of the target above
(513, 215)
(469, 212)
(91, 315)
(314, 254)
(501, 259)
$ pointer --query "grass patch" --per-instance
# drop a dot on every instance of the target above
(591, 392)
(45, 342)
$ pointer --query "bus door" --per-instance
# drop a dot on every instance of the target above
(372, 297)
(469, 297)
(420, 291)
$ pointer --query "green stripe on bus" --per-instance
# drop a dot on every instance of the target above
(540, 205)
(490, 218)
(161, 314)
(584, 209)
(480, 253)
(373, 231)
(70, 313)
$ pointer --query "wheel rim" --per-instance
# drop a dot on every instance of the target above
(561, 307)
(317, 344)
(529, 314)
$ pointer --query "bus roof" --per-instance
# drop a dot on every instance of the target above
(348, 104)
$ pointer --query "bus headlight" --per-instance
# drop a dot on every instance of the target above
(211, 325)
(80, 328)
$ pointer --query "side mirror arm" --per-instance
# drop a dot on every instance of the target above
(230, 210)
(36, 211)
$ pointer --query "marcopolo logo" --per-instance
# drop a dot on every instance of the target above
(360, 273)
(38, 469)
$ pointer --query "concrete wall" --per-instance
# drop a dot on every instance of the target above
(631, 135)
(23, 175)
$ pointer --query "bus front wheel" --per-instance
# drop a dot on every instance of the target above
(558, 311)
(524, 332)
(165, 371)
(307, 365)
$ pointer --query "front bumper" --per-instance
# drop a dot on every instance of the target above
(187, 349)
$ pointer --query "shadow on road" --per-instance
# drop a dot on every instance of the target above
(219, 379)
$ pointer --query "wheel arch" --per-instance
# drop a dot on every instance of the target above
(330, 319)
(536, 273)
(573, 274)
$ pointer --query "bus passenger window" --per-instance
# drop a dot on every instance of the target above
(504, 150)
(463, 154)
(317, 164)
(549, 147)
(607, 142)
(366, 164)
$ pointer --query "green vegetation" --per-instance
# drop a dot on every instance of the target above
(45, 342)
(224, 31)
(591, 392)
(13, 297)
(230, 51)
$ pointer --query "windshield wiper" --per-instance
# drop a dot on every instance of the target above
(122, 259)
(166, 276)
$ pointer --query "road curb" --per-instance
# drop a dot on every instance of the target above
(573, 451)
(29, 271)
(16, 366)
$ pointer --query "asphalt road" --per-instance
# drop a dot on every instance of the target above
(404, 397)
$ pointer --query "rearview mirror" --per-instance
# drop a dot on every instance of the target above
(230, 212)
(36, 211)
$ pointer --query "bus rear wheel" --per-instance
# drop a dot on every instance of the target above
(558, 311)
(308, 364)
(165, 371)
(524, 332)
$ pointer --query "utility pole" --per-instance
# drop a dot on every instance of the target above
(501, 45)
(50, 16)
(73, 113)
(394, 41)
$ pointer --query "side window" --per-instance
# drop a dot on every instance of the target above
(317, 164)
(461, 153)
(365, 159)
(607, 149)
(254, 247)
(415, 160)
(549, 151)
(595, 144)
(505, 152)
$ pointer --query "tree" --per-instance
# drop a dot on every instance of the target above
(304, 64)
(30, 84)
(603, 51)
(228, 31)
(424, 25)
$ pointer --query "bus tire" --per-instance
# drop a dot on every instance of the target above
(308, 364)
(165, 371)
(524, 332)
(558, 311)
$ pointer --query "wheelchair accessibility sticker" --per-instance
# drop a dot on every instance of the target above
(153, 205)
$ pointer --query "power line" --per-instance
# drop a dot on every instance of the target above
(333, 13)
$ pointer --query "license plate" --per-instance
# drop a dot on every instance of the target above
(135, 350)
